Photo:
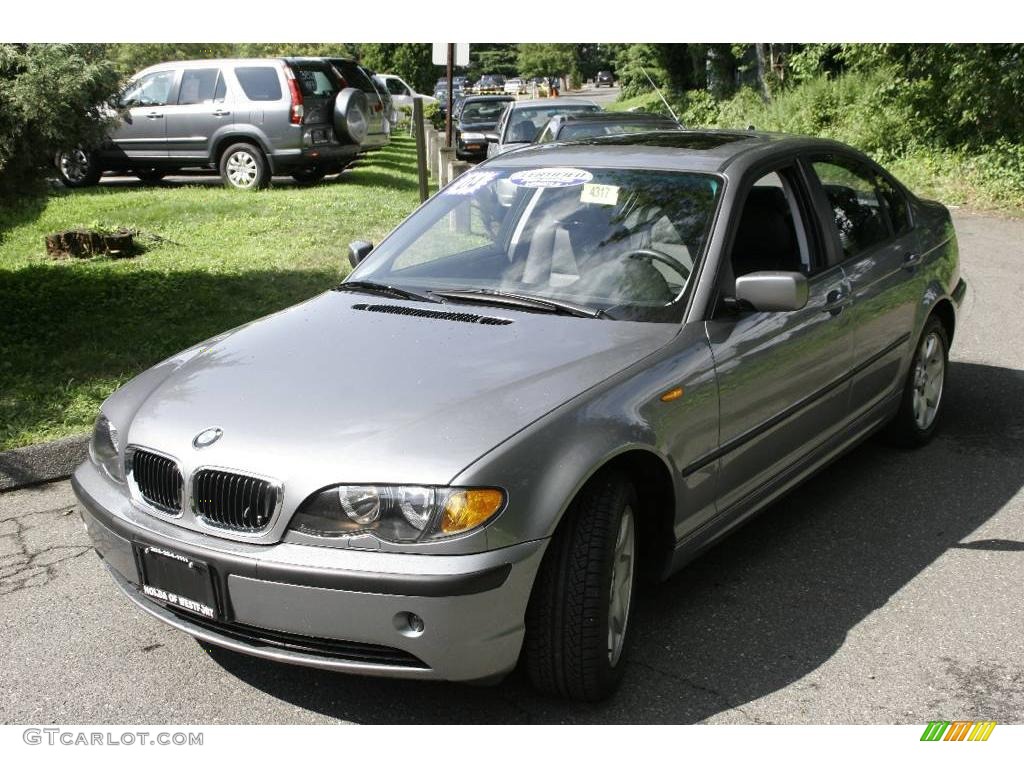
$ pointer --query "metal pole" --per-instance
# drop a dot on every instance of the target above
(421, 146)
(448, 113)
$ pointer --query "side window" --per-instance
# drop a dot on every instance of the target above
(259, 83)
(152, 90)
(199, 86)
(397, 87)
(896, 204)
(857, 209)
(771, 234)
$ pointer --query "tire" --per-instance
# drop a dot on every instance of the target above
(243, 166)
(150, 175)
(77, 168)
(571, 649)
(350, 116)
(309, 176)
(921, 405)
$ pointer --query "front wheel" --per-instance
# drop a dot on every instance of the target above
(578, 616)
(243, 166)
(77, 168)
(918, 417)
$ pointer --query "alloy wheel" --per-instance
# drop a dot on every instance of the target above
(621, 589)
(242, 169)
(74, 165)
(929, 377)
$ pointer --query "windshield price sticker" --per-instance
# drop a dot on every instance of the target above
(469, 183)
(550, 178)
(600, 194)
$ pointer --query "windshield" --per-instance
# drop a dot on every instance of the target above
(525, 123)
(483, 111)
(621, 242)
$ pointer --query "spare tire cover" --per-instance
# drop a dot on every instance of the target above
(350, 111)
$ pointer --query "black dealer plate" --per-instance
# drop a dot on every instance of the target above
(177, 580)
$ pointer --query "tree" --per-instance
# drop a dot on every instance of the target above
(546, 59)
(410, 61)
(493, 59)
(49, 99)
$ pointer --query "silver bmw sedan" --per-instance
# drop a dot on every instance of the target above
(575, 366)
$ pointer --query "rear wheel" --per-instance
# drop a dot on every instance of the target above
(77, 168)
(578, 616)
(918, 417)
(243, 166)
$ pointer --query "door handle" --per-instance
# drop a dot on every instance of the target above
(836, 301)
(911, 260)
(221, 113)
(154, 115)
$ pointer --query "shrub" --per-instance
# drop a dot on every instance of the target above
(48, 101)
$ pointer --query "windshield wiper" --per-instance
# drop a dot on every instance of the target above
(368, 286)
(504, 298)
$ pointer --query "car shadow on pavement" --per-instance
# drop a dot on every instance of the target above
(768, 605)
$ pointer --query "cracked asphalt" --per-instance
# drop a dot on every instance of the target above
(885, 590)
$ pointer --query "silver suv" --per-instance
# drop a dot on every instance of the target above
(248, 118)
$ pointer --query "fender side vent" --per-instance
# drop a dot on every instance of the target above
(458, 317)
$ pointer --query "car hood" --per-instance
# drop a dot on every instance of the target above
(327, 391)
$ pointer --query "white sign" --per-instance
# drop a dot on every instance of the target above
(550, 178)
(440, 55)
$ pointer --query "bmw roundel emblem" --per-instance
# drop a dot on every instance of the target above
(207, 437)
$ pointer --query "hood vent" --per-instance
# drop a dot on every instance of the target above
(430, 314)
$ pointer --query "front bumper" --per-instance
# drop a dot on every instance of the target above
(327, 607)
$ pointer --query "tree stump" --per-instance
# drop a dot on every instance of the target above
(85, 243)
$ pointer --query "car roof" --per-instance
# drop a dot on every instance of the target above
(245, 62)
(613, 117)
(708, 151)
(492, 97)
(557, 102)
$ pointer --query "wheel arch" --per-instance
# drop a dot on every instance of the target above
(221, 143)
(944, 311)
(652, 479)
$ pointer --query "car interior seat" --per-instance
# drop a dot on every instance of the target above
(766, 237)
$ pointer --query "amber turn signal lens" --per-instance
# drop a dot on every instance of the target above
(467, 509)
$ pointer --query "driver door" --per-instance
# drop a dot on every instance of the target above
(781, 375)
(141, 133)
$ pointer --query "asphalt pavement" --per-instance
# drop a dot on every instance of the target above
(885, 590)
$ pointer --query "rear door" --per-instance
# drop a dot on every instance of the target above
(201, 110)
(782, 376)
(141, 132)
(871, 223)
(319, 88)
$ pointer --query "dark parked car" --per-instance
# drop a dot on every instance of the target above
(604, 77)
(477, 118)
(248, 118)
(590, 125)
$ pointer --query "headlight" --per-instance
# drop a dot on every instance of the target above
(472, 137)
(104, 448)
(397, 513)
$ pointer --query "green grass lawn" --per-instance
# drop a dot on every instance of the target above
(73, 331)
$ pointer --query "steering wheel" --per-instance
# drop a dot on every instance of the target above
(651, 254)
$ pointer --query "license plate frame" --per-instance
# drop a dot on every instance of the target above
(177, 580)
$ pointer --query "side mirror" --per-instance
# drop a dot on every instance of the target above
(492, 137)
(357, 251)
(773, 291)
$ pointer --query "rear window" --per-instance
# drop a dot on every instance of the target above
(354, 76)
(315, 80)
(259, 83)
(200, 86)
